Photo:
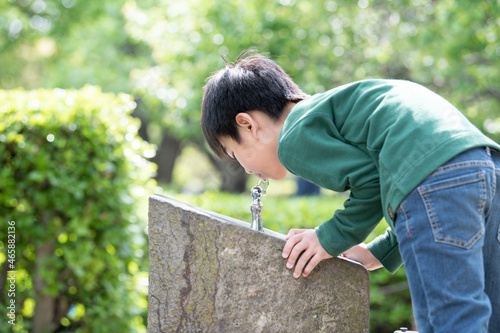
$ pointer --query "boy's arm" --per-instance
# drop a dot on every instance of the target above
(361, 254)
(381, 252)
(350, 226)
(334, 233)
(305, 244)
(361, 215)
(347, 228)
(385, 249)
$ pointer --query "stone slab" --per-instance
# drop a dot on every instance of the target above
(212, 273)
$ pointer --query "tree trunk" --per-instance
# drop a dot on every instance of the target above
(61, 309)
(168, 151)
(166, 155)
(43, 316)
(234, 177)
(143, 129)
(3, 277)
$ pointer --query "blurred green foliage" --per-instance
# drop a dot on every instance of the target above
(67, 44)
(162, 51)
(390, 301)
(73, 171)
(449, 46)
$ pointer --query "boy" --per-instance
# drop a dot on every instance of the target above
(404, 153)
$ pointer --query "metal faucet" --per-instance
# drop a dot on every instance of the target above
(256, 207)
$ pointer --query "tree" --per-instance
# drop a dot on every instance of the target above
(321, 45)
(163, 51)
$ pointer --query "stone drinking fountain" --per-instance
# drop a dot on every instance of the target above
(213, 273)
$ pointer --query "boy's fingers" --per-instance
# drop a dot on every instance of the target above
(290, 243)
(301, 263)
(293, 232)
(315, 260)
(295, 252)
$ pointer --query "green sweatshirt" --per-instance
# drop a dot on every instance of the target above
(377, 139)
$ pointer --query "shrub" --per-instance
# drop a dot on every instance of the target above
(72, 172)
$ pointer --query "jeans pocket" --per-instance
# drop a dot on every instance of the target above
(455, 208)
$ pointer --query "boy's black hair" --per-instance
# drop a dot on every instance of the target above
(251, 83)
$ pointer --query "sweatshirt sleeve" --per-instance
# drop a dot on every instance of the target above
(385, 249)
(351, 225)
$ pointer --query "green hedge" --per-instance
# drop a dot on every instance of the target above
(72, 173)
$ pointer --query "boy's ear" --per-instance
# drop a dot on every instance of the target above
(246, 122)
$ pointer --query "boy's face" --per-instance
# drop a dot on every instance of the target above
(257, 151)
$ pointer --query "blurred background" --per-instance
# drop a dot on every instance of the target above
(100, 108)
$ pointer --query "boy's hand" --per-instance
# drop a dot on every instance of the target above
(361, 254)
(303, 241)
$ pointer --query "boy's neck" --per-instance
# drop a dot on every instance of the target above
(288, 107)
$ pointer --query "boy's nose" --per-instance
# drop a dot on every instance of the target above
(248, 171)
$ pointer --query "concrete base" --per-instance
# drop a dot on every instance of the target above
(212, 273)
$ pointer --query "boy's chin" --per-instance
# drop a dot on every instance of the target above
(279, 177)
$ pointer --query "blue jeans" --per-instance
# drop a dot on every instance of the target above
(448, 230)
